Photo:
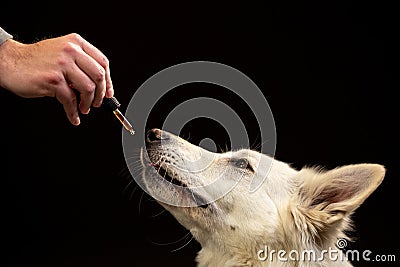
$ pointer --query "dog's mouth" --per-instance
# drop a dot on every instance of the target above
(185, 190)
(165, 175)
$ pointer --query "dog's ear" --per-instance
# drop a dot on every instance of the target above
(328, 197)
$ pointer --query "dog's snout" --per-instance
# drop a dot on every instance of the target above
(154, 135)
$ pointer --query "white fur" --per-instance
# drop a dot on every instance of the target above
(292, 210)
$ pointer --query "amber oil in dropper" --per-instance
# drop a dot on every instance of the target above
(113, 104)
(124, 121)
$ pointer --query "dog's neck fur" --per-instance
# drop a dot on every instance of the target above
(208, 257)
(216, 252)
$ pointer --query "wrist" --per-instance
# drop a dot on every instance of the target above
(8, 57)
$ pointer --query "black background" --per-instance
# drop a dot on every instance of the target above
(329, 72)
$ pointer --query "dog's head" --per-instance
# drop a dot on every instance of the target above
(209, 193)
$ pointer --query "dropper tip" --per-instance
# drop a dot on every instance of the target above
(132, 132)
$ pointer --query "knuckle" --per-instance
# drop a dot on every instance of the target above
(100, 75)
(71, 102)
(104, 61)
(109, 86)
(75, 37)
(90, 88)
(62, 60)
(100, 98)
(70, 48)
(54, 78)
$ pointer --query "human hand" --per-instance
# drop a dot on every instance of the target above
(53, 67)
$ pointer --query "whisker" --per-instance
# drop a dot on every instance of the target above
(126, 187)
(194, 197)
(220, 148)
(256, 145)
(158, 214)
(188, 138)
(132, 157)
(140, 202)
(181, 247)
(137, 164)
(174, 173)
(129, 174)
(173, 242)
(133, 168)
(133, 191)
(226, 147)
(123, 172)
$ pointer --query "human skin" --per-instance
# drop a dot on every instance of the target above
(53, 67)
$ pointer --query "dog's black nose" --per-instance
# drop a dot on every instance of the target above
(154, 135)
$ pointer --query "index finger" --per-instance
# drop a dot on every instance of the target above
(97, 55)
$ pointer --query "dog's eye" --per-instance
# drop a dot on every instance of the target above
(242, 163)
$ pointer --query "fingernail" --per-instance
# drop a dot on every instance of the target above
(77, 121)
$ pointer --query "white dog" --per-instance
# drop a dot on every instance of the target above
(294, 218)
